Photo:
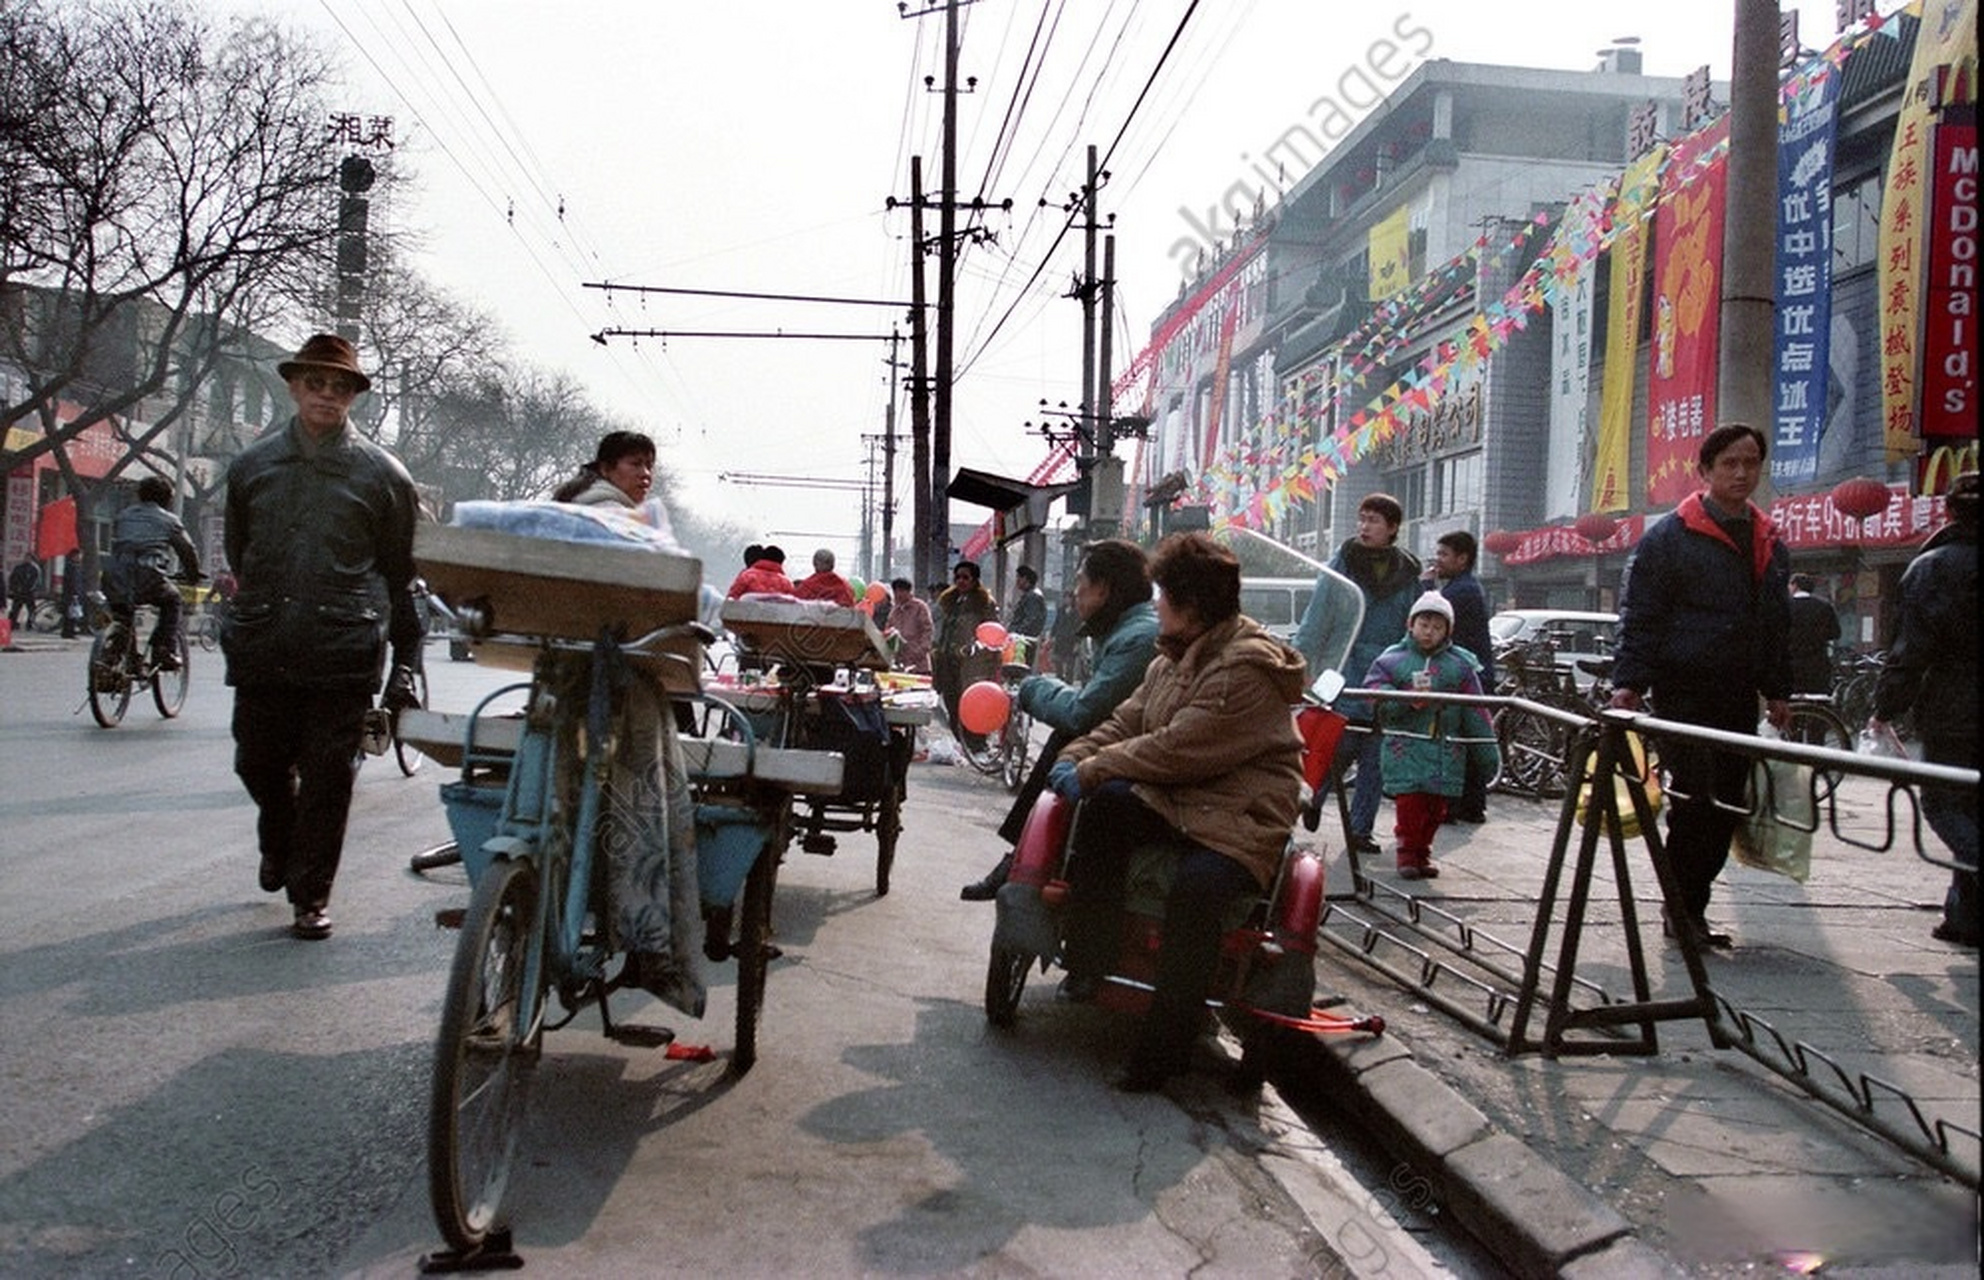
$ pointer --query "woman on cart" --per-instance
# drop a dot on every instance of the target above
(1202, 760)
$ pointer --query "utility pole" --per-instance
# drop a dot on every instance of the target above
(889, 461)
(1086, 290)
(919, 393)
(947, 265)
(1744, 375)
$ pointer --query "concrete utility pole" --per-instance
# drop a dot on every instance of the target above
(889, 460)
(947, 266)
(919, 395)
(1086, 289)
(1745, 380)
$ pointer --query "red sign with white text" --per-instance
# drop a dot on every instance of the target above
(1949, 310)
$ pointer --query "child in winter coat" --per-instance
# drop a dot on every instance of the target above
(1426, 746)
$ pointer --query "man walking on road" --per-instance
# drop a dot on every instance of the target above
(22, 584)
(1703, 626)
(320, 532)
(1814, 629)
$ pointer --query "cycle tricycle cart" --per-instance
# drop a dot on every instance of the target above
(548, 806)
(806, 680)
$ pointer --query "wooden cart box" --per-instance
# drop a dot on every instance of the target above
(792, 632)
(534, 588)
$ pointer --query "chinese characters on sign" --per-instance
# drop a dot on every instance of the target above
(1696, 105)
(351, 129)
(1801, 351)
(1642, 129)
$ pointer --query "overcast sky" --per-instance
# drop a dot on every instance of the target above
(752, 147)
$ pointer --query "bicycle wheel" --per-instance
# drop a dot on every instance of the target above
(1014, 740)
(169, 687)
(206, 630)
(754, 955)
(410, 756)
(483, 1057)
(110, 675)
(1005, 979)
(1533, 751)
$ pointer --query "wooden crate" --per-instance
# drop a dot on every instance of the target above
(534, 588)
(792, 632)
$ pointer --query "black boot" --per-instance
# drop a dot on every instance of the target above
(987, 889)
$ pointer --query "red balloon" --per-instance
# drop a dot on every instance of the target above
(983, 707)
(992, 636)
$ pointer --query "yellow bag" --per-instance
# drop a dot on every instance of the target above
(1641, 766)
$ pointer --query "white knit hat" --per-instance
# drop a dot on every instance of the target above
(1432, 602)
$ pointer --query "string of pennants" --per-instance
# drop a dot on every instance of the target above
(1252, 481)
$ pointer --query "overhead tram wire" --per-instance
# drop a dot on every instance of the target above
(1068, 224)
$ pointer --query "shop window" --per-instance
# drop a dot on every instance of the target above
(1856, 224)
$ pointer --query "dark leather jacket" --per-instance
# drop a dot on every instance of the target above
(1932, 662)
(322, 542)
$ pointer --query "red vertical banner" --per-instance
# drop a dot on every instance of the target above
(1687, 305)
(55, 532)
(1949, 296)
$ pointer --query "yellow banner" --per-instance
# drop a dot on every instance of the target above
(1612, 462)
(1391, 256)
(1948, 39)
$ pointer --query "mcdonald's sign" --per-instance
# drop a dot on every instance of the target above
(1943, 464)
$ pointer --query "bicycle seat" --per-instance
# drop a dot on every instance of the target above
(1600, 667)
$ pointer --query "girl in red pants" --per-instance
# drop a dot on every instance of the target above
(1426, 745)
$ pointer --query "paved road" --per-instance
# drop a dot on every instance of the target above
(186, 1091)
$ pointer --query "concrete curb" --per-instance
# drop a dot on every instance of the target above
(1512, 1199)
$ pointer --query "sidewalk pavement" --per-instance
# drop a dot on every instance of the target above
(1690, 1159)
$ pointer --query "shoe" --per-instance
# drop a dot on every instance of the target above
(271, 876)
(987, 889)
(1078, 988)
(311, 924)
(1947, 932)
(1473, 816)
(1363, 844)
(1705, 937)
(166, 662)
(1418, 871)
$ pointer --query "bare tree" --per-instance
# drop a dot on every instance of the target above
(172, 186)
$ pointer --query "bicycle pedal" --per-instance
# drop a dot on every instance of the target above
(820, 844)
(641, 1037)
(450, 917)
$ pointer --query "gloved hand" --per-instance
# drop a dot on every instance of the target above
(1028, 687)
(1061, 780)
(400, 691)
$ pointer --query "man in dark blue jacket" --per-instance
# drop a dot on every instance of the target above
(1705, 627)
(320, 530)
(1453, 569)
(1932, 667)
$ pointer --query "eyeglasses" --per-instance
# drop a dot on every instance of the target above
(334, 384)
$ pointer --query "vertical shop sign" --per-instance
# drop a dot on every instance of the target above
(1687, 305)
(1805, 134)
(1622, 329)
(1949, 312)
(1947, 39)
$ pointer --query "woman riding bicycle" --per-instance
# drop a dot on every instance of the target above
(145, 542)
(1203, 760)
(1112, 594)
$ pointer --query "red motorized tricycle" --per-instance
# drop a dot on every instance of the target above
(1267, 961)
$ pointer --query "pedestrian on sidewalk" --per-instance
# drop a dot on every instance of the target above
(319, 529)
(1814, 630)
(1389, 578)
(1704, 628)
(1112, 595)
(1429, 748)
(910, 621)
(1932, 667)
(1453, 576)
(824, 584)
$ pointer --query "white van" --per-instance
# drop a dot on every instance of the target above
(1277, 603)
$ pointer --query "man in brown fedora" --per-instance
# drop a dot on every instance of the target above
(320, 534)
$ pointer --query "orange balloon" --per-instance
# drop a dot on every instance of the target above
(983, 707)
(876, 593)
(991, 635)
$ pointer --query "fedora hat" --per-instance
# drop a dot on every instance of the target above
(325, 351)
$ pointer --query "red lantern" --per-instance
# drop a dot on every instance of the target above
(1595, 526)
(1860, 497)
(1501, 542)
